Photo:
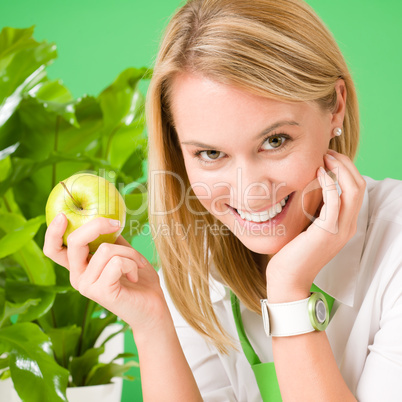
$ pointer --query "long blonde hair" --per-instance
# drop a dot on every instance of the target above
(277, 49)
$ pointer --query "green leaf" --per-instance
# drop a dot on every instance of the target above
(23, 168)
(134, 163)
(123, 114)
(70, 308)
(123, 328)
(121, 144)
(103, 373)
(65, 343)
(82, 365)
(11, 309)
(4, 362)
(55, 97)
(136, 214)
(22, 63)
(38, 267)
(18, 237)
(51, 91)
(5, 168)
(120, 100)
(12, 40)
(125, 355)
(5, 374)
(35, 374)
(18, 291)
(94, 327)
(8, 151)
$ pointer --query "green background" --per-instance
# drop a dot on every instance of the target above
(96, 40)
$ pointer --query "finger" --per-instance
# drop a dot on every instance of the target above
(352, 194)
(350, 165)
(115, 270)
(104, 255)
(329, 214)
(122, 241)
(53, 247)
(77, 241)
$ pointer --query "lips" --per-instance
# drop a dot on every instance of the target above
(267, 216)
(264, 215)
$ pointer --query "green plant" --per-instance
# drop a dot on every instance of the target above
(47, 329)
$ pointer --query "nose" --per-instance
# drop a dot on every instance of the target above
(252, 185)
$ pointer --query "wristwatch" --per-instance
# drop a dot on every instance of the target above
(295, 318)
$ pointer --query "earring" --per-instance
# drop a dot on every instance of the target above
(337, 131)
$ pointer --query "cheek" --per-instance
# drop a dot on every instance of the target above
(298, 171)
(213, 194)
(309, 190)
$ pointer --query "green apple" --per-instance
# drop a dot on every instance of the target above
(83, 197)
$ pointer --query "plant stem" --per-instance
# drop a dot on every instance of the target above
(76, 203)
(24, 261)
(84, 321)
(8, 207)
(55, 146)
(109, 141)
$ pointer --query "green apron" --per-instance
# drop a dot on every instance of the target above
(265, 373)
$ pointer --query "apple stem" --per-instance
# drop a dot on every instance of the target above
(74, 200)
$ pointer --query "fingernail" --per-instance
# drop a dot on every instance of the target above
(330, 157)
(322, 170)
(114, 222)
(58, 218)
(144, 261)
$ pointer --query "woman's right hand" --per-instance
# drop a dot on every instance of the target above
(116, 276)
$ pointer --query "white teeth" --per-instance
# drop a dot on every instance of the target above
(265, 215)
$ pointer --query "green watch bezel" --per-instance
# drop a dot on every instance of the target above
(312, 303)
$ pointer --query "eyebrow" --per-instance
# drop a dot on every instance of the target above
(262, 134)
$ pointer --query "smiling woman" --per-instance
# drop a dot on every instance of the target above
(253, 114)
(264, 227)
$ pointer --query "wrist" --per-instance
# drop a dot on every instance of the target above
(286, 295)
(158, 322)
(285, 289)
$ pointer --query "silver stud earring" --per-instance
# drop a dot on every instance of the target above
(337, 131)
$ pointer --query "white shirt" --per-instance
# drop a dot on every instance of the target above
(365, 331)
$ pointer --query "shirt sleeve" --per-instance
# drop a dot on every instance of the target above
(381, 379)
(202, 357)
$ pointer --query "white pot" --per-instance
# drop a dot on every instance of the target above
(96, 393)
(6, 391)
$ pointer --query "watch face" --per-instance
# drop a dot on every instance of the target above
(320, 311)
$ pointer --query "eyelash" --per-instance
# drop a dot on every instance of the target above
(197, 153)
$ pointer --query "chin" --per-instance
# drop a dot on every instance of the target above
(270, 241)
(265, 245)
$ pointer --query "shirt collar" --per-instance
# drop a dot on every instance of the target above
(339, 277)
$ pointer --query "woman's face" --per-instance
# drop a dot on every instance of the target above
(252, 161)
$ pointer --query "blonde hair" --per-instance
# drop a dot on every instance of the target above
(277, 49)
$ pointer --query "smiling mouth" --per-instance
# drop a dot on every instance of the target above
(265, 216)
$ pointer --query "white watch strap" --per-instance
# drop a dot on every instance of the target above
(286, 319)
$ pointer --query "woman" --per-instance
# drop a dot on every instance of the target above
(253, 122)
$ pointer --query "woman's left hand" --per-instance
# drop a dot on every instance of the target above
(291, 272)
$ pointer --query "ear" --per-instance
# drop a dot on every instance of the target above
(339, 113)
